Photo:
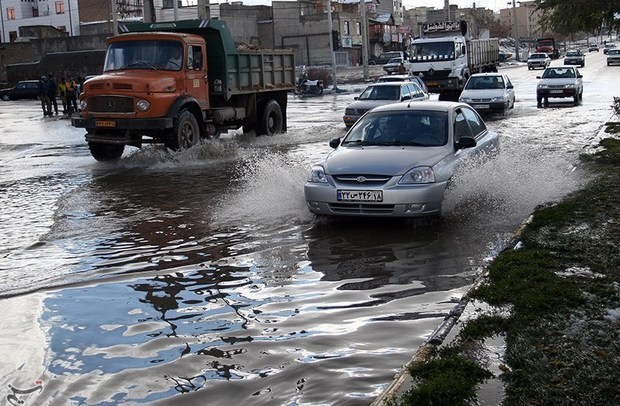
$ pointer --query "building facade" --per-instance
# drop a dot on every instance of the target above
(62, 15)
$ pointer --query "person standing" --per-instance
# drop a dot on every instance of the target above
(52, 90)
(62, 92)
(70, 86)
(43, 97)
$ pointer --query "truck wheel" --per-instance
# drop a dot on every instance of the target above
(105, 152)
(185, 131)
(272, 120)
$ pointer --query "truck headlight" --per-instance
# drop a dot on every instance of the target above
(83, 104)
(143, 105)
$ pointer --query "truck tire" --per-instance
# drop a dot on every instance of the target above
(105, 152)
(185, 132)
(271, 121)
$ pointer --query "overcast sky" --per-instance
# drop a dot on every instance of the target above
(490, 4)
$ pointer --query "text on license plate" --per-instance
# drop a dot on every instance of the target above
(482, 106)
(556, 91)
(360, 195)
(105, 123)
(432, 83)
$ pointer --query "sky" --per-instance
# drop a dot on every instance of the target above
(490, 4)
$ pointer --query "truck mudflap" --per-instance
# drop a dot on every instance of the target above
(121, 124)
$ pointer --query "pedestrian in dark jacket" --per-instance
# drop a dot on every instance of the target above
(43, 97)
(52, 90)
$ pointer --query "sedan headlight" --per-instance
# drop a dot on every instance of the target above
(317, 175)
(498, 99)
(569, 86)
(143, 105)
(418, 175)
(465, 99)
(543, 86)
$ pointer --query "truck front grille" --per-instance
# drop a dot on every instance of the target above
(110, 104)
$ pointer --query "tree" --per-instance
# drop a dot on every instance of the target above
(573, 16)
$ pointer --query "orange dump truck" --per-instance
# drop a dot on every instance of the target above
(176, 82)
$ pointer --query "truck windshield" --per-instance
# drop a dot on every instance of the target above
(148, 54)
(431, 51)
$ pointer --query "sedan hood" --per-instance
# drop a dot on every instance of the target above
(483, 93)
(369, 104)
(557, 81)
(381, 160)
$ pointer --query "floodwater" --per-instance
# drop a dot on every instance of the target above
(200, 277)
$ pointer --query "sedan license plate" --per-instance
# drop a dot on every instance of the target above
(482, 106)
(105, 123)
(360, 195)
(556, 91)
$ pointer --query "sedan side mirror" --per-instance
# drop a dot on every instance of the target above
(510, 87)
(538, 77)
(465, 142)
(579, 76)
(356, 97)
(334, 143)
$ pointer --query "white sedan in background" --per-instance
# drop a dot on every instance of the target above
(489, 92)
(397, 159)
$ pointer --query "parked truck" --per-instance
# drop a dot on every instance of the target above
(177, 82)
(445, 57)
(548, 46)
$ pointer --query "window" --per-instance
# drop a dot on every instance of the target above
(347, 29)
(60, 7)
(10, 13)
(476, 125)
(358, 28)
(461, 129)
(195, 57)
(35, 12)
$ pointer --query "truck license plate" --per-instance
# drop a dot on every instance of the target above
(105, 123)
(360, 195)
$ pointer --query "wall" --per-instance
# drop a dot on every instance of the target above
(28, 53)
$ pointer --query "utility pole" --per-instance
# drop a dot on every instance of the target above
(204, 11)
(364, 39)
(114, 18)
(516, 29)
(331, 44)
(175, 7)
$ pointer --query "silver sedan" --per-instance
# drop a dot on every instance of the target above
(396, 161)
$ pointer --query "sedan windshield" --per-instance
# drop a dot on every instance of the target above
(400, 128)
(558, 73)
(381, 93)
(485, 82)
(151, 54)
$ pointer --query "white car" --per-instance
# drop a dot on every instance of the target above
(397, 160)
(379, 94)
(489, 92)
(560, 82)
(538, 60)
(613, 57)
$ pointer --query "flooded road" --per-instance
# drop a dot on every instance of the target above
(200, 277)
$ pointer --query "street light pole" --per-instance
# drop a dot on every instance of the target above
(331, 44)
(364, 39)
(516, 29)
